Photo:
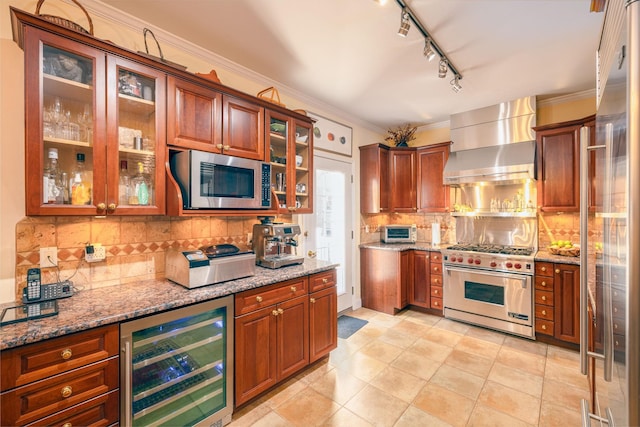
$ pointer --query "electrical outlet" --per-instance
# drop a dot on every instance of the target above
(249, 237)
(95, 252)
(48, 257)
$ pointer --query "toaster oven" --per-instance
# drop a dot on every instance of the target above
(399, 233)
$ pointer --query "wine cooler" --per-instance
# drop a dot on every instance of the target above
(177, 367)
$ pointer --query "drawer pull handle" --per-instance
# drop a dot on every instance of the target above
(543, 269)
(312, 300)
(280, 311)
(617, 343)
(325, 280)
(615, 309)
(274, 312)
(66, 354)
(66, 391)
(226, 147)
(436, 269)
(258, 298)
(543, 284)
(544, 312)
(67, 425)
(615, 326)
(219, 146)
(543, 297)
(557, 271)
(544, 327)
(293, 289)
(435, 291)
(436, 303)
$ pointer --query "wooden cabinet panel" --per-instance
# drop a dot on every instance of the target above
(567, 302)
(194, 116)
(374, 179)
(402, 170)
(248, 301)
(323, 322)
(544, 283)
(380, 273)
(243, 128)
(100, 411)
(433, 195)
(545, 327)
(419, 288)
(544, 269)
(323, 280)
(544, 298)
(292, 336)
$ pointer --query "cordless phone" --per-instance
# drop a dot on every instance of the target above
(35, 291)
(34, 287)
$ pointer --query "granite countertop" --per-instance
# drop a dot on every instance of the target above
(113, 304)
(543, 255)
(399, 247)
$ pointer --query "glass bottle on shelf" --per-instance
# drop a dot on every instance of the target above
(80, 183)
(52, 184)
(124, 186)
(139, 187)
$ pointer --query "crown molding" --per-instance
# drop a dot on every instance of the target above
(437, 125)
(120, 18)
(577, 96)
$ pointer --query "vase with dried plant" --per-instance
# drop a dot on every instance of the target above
(401, 135)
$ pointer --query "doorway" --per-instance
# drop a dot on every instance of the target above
(330, 228)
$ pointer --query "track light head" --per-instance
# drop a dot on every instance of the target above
(428, 50)
(404, 24)
(443, 68)
(455, 84)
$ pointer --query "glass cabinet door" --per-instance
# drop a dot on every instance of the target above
(279, 157)
(135, 159)
(64, 95)
(303, 160)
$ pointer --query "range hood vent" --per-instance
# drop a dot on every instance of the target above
(493, 144)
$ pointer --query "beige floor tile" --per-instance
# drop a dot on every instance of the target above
(567, 374)
(308, 408)
(532, 363)
(250, 414)
(363, 313)
(372, 331)
(377, 406)
(362, 366)
(409, 327)
(433, 351)
(526, 345)
(422, 318)
(338, 386)
(511, 402)
(398, 383)
(483, 416)
(381, 351)
(485, 335)
(444, 404)
(456, 380)
(345, 417)
(272, 419)
(397, 338)
(416, 364)
(442, 336)
(452, 325)
(564, 356)
(561, 393)
(357, 341)
(517, 379)
(283, 392)
(315, 371)
(477, 365)
(385, 320)
(553, 415)
(413, 417)
(479, 347)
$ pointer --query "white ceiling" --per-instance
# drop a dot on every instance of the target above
(346, 53)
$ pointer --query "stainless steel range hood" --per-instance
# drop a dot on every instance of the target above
(493, 144)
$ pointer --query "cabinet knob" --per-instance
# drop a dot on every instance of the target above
(325, 280)
(544, 312)
(219, 146)
(543, 297)
(66, 391)
(101, 206)
(66, 354)
(544, 327)
(312, 300)
(543, 284)
(543, 269)
(436, 268)
(280, 311)
(274, 312)
(436, 303)
(615, 309)
(615, 326)
(226, 147)
(111, 207)
(293, 289)
(557, 271)
(617, 343)
(436, 291)
(311, 254)
(437, 281)
(258, 298)
(67, 425)
(291, 208)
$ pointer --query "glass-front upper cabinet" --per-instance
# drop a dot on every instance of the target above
(73, 112)
(291, 162)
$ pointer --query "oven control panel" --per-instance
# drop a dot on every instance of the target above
(490, 262)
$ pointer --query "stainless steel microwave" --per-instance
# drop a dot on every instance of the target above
(399, 233)
(216, 181)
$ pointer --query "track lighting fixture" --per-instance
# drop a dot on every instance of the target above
(443, 68)
(455, 85)
(428, 50)
(404, 24)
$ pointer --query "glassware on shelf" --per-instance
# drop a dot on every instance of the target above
(139, 188)
(124, 186)
(52, 184)
(80, 184)
(85, 125)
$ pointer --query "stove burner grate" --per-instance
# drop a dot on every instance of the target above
(492, 249)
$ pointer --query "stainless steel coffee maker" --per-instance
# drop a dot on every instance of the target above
(275, 245)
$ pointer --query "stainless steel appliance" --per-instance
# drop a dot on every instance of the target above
(177, 367)
(610, 235)
(275, 245)
(216, 181)
(207, 266)
(399, 233)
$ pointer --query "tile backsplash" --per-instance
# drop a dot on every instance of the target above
(135, 246)
(370, 225)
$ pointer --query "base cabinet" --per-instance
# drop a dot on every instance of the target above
(557, 301)
(323, 314)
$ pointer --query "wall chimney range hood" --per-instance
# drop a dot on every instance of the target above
(493, 144)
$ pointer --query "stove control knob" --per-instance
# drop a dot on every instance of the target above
(477, 261)
(470, 260)
(460, 259)
(518, 266)
(508, 264)
(493, 264)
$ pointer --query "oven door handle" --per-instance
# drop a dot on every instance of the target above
(448, 269)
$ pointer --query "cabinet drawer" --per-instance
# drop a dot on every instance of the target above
(436, 292)
(322, 280)
(544, 312)
(103, 410)
(436, 257)
(33, 362)
(619, 342)
(436, 280)
(544, 283)
(544, 327)
(436, 268)
(544, 269)
(436, 303)
(255, 299)
(31, 402)
(544, 297)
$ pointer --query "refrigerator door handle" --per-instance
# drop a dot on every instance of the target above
(606, 295)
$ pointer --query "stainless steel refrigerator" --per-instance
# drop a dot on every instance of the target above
(610, 227)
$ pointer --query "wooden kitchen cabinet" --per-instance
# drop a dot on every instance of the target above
(435, 280)
(420, 289)
(72, 379)
(374, 179)
(242, 128)
(385, 275)
(558, 147)
(433, 195)
(82, 100)
(557, 301)
(323, 314)
(402, 171)
(290, 148)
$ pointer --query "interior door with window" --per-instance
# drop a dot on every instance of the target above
(329, 229)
